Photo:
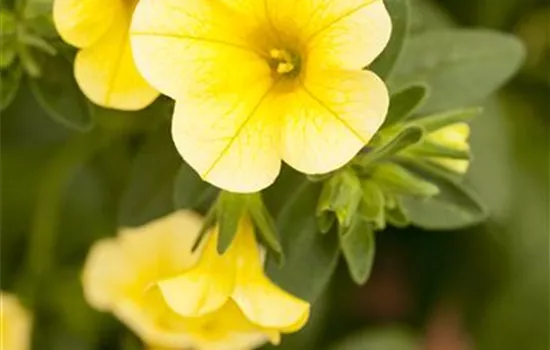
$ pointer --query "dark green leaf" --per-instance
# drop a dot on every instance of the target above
(399, 13)
(404, 103)
(461, 67)
(149, 193)
(455, 207)
(358, 247)
(230, 209)
(190, 192)
(11, 79)
(57, 92)
(304, 247)
(390, 145)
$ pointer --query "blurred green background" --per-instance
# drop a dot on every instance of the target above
(481, 288)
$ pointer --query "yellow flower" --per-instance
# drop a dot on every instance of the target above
(260, 81)
(15, 323)
(121, 276)
(104, 67)
(455, 137)
(237, 277)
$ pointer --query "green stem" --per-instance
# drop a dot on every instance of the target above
(46, 216)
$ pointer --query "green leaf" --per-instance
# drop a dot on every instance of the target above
(390, 145)
(431, 149)
(304, 247)
(405, 102)
(399, 12)
(461, 67)
(440, 120)
(8, 23)
(191, 192)
(57, 92)
(11, 80)
(8, 42)
(373, 204)
(395, 178)
(358, 247)
(396, 214)
(265, 225)
(341, 195)
(149, 193)
(230, 209)
(455, 207)
(380, 339)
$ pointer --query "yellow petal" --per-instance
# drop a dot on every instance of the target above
(15, 323)
(123, 267)
(261, 301)
(226, 329)
(331, 118)
(335, 34)
(107, 74)
(193, 45)
(231, 140)
(204, 288)
(82, 22)
(150, 318)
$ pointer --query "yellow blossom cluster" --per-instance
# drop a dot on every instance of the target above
(255, 81)
(173, 298)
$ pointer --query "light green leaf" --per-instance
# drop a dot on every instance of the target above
(405, 102)
(380, 339)
(437, 121)
(190, 192)
(230, 209)
(149, 193)
(461, 67)
(265, 225)
(11, 80)
(57, 92)
(396, 214)
(358, 247)
(304, 247)
(373, 204)
(399, 13)
(395, 178)
(390, 144)
(341, 195)
(455, 207)
(8, 42)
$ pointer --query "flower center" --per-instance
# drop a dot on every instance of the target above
(284, 63)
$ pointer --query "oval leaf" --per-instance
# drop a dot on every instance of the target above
(57, 92)
(303, 245)
(461, 67)
(358, 247)
(399, 13)
(456, 206)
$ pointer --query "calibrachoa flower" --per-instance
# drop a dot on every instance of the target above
(237, 276)
(454, 136)
(104, 67)
(15, 324)
(121, 276)
(260, 81)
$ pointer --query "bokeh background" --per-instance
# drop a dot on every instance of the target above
(482, 288)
